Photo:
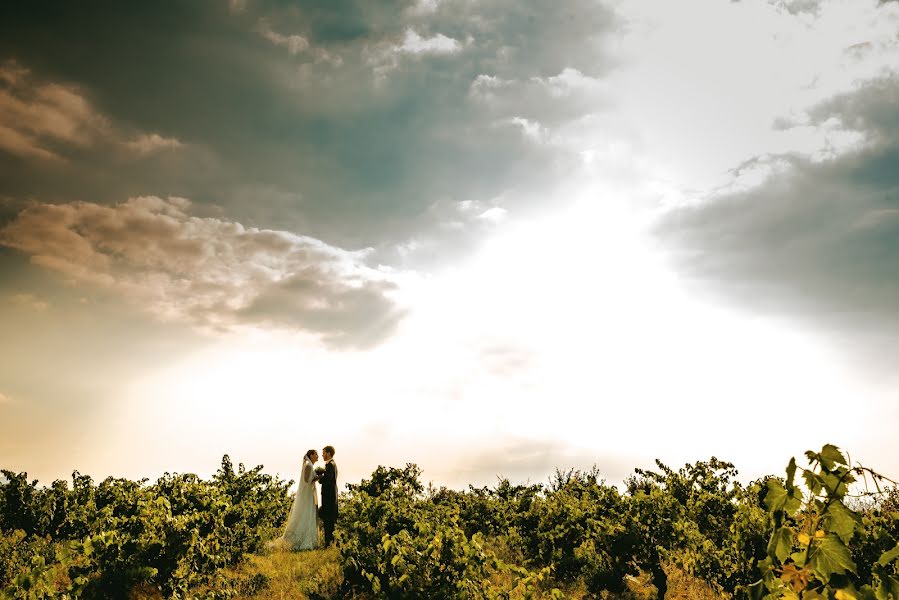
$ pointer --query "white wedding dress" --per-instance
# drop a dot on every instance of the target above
(301, 532)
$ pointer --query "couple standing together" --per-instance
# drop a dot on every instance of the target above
(301, 532)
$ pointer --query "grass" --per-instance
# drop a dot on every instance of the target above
(282, 574)
(276, 575)
(311, 574)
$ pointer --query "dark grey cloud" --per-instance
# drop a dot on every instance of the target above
(349, 317)
(818, 242)
(357, 116)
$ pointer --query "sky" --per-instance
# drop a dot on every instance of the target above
(491, 238)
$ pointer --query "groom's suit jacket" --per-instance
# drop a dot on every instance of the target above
(329, 491)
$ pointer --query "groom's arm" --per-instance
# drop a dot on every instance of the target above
(330, 475)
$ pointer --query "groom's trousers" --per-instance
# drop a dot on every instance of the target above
(328, 522)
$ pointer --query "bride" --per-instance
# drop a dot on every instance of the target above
(301, 532)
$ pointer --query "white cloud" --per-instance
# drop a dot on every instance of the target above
(494, 215)
(551, 109)
(384, 57)
(531, 129)
(568, 82)
(211, 272)
(414, 43)
(148, 143)
(294, 43)
(485, 87)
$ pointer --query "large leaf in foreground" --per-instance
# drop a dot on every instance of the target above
(830, 556)
(781, 498)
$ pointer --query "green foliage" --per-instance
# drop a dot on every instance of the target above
(700, 519)
(489, 511)
(389, 479)
(801, 536)
(577, 527)
(821, 548)
(396, 543)
(99, 541)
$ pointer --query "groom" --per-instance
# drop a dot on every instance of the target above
(328, 510)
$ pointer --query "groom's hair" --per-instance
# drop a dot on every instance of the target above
(329, 450)
(310, 453)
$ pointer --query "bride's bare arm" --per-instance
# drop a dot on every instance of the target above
(308, 475)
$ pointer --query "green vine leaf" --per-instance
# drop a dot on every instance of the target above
(830, 556)
(781, 544)
(841, 521)
(831, 455)
(781, 498)
(886, 586)
(791, 472)
(888, 556)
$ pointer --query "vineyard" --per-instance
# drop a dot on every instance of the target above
(826, 530)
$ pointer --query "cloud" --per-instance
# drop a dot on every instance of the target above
(530, 129)
(424, 7)
(147, 143)
(21, 144)
(37, 115)
(294, 43)
(210, 272)
(556, 100)
(816, 241)
(384, 56)
(297, 44)
(796, 7)
(47, 120)
(484, 87)
(30, 301)
(446, 225)
(367, 160)
(4, 399)
(568, 82)
(414, 43)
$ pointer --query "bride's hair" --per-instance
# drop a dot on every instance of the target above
(309, 454)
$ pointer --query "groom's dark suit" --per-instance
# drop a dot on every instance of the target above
(328, 510)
